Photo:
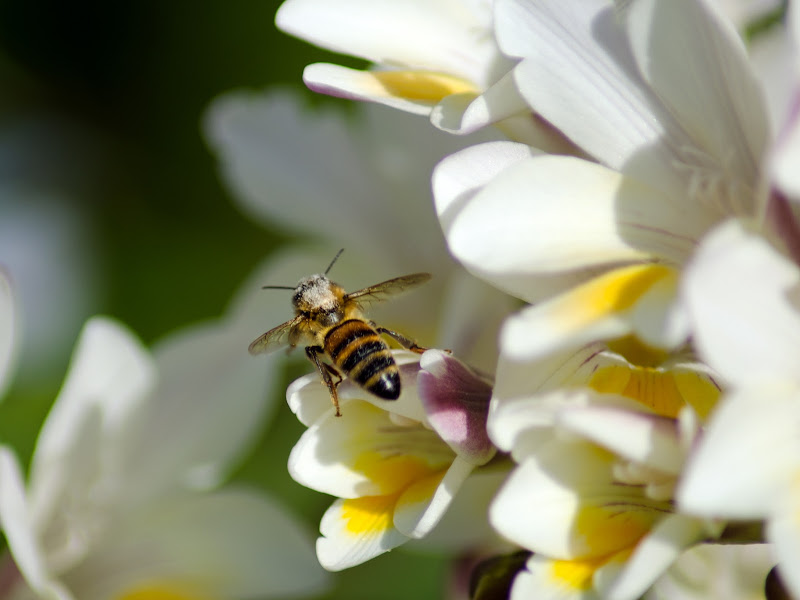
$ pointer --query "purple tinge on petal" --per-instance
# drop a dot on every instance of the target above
(456, 401)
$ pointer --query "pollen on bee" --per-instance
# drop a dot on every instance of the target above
(315, 291)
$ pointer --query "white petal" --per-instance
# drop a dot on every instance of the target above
(309, 400)
(637, 299)
(417, 512)
(8, 333)
(460, 175)
(365, 453)
(354, 531)
(17, 524)
(210, 402)
(642, 437)
(696, 63)
(574, 50)
(430, 34)
(465, 525)
(270, 148)
(739, 293)
(581, 216)
(515, 379)
(229, 544)
(755, 430)
(515, 425)
(502, 106)
(109, 378)
(652, 557)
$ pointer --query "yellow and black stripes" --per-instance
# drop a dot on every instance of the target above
(358, 350)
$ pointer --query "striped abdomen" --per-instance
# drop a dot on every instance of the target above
(358, 350)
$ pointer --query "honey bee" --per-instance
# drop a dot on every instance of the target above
(330, 323)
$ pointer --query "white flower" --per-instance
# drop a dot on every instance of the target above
(396, 466)
(600, 444)
(742, 296)
(362, 184)
(430, 57)
(109, 512)
(662, 98)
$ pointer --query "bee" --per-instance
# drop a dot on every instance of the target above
(330, 323)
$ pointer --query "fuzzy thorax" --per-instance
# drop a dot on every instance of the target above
(317, 293)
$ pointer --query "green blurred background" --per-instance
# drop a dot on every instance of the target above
(110, 201)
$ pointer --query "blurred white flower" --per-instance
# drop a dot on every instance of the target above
(430, 57)
(112, 509)
(600, 444)
(396, 466)
(661, 95)
(742, 295)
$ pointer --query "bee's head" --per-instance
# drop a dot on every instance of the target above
(316, 294)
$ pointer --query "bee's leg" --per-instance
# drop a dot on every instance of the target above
(405, 342)
(313, 352)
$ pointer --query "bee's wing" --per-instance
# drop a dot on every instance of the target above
(382, 291)
(275, 337)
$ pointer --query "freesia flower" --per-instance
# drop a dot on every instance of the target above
(396, 466)
(430, 57)
(599, 444)
(741, 294)
(113, 509)
(661, 96)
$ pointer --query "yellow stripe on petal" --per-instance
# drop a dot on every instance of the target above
(160, 592)
(609, 529)
(700, 392)
(393, 473)
(615, 291)
(665, 392)
(425, 86)
(369, 514)
(575, 574)
(423, 490)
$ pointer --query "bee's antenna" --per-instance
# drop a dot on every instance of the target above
(338, 254)
(276, 287)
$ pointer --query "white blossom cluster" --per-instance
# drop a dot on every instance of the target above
(615, 246)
